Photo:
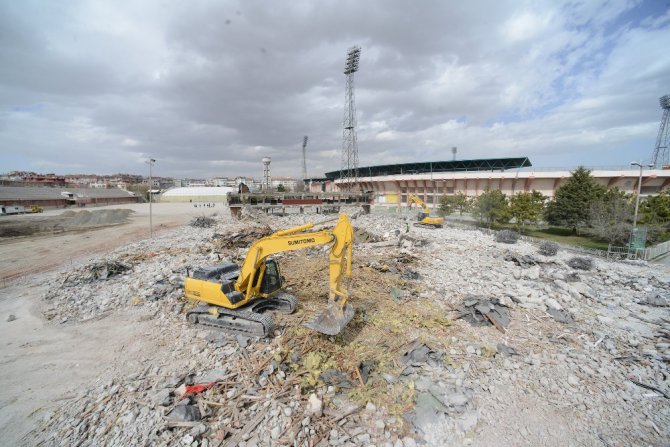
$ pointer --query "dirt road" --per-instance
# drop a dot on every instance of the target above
(25, 255)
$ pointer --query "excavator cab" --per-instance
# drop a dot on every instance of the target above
(272, 280)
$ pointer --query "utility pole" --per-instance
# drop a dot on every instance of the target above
(151, 162)
(637, 199)
(639, 189)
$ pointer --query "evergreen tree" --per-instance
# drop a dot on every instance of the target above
(572, 202)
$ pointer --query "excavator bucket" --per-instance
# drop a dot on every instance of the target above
(332, 320)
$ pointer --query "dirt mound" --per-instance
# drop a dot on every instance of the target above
(99, 217)
(67, 221)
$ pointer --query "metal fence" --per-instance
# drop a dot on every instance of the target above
(656, 250)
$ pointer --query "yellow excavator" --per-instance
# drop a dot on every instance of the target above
(235, 298)
(425, 217)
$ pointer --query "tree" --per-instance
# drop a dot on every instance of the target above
(491, 206)
(526, 207)
(461, 202)
(610, 217)
(281, 188)
(654, 213)
(572, 202)
(458, 202)
(446, 205)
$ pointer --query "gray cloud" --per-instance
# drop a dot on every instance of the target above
(208, 88)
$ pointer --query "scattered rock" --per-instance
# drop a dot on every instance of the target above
(507, 237)
(482, 312)
(548, 248)
(184, 413)
(161, 398)
(521, 260)
(203, 222)
(578, 263)
(11, 317)
(656, 300)
(314, 406)
(560, 315)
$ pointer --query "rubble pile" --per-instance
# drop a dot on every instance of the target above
(507, 236)
(243, 238)
(578, 263)
(203, 222)
(456, 340)
(548, 248)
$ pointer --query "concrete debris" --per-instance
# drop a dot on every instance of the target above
(521, 260)
(161, 398)
(507, 237)
(573, 340)
(657, 300)
(184, 413)
(483, 312)
(506, 350)
(364, 370)
(548, 248)
(333, 377)
(578, 263)
(203, 222)
(421, 353)
(560, 315)
(314, 406)
(241, 239)
(99, 271)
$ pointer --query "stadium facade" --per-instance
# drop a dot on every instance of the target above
(390, 184)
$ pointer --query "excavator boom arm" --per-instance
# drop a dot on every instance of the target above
(340, 238)
(414, 198)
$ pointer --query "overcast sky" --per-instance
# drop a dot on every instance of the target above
(209, 88)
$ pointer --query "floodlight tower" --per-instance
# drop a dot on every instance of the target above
(349, 169)
(266, 173)
(304, 157)
(661, 153)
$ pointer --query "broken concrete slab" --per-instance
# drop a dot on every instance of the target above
(184, 413)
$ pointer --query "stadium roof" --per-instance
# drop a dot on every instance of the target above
(426, 167)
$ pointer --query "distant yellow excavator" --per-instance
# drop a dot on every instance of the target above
(235, 299)
(425, 217)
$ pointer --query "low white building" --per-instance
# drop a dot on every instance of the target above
(197, 194)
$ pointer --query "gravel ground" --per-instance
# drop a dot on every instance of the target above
(583, 360)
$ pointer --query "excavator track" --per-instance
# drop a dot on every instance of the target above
(281, 302)
(250, 321)
(429, 226)
(242, 322)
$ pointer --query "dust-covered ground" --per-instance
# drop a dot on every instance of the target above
(457, 340)
(32, 243)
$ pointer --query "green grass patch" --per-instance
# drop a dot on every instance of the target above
(561, 235)
(565, 236)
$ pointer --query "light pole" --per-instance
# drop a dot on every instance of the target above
(151, 162)
(639, 188)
